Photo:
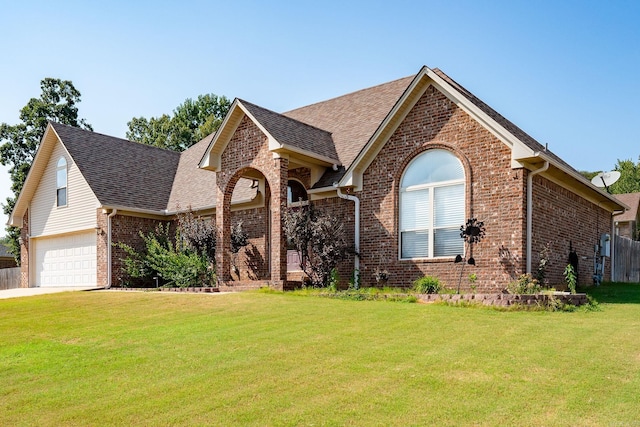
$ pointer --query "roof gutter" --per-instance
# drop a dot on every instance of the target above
(530, 209)
(356, 237)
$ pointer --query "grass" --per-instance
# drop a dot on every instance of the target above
(125, 358)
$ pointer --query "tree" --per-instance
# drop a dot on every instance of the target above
(191, 121)
(57, 103)
(629, 181)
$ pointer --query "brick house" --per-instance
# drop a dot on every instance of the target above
(627, 224)
(403, 164)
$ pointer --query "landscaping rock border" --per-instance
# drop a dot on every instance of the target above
(505, 300)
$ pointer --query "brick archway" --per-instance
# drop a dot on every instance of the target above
(275, 201)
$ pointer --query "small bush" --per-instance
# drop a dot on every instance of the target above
(427, 285)
(525, 284)
(570, 278)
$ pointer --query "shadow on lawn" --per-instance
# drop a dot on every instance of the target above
(615, 293)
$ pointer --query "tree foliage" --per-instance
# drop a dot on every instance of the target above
(629, 181)
(58, 103)
(191, 121)
(319, 238)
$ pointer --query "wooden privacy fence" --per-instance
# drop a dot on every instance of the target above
(9, 278)
(627, 260)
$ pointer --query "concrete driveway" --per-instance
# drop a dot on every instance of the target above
(27, 292)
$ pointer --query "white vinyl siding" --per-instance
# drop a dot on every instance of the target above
(80, 212)
(432, 206)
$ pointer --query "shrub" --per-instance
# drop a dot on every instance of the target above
(427, 285)
(178, 261)
(525, 284)
(319, 238)
(199, 234)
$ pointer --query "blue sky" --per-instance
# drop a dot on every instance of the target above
(566, 72)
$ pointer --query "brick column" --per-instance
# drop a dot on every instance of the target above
(278, 240)
(223, 228)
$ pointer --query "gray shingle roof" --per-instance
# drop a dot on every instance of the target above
(632, 200)
(195, 188)
(121, 172)
(294, 133)
(352, 120)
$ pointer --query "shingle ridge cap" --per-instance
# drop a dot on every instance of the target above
(151, 147)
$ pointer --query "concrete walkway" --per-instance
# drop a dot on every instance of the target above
(27, 292)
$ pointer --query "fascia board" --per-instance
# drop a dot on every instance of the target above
(426, 77)
(47, 143)
(211, 158)
(353, 174)
(308, 156)
(581, 179)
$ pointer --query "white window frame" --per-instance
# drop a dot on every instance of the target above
(297, 203)
(62, 167)
(430, 225)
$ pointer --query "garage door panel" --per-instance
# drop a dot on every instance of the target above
(66, 260)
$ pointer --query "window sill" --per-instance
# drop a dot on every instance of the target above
(428, 260)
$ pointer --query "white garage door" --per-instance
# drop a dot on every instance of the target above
(66, 261)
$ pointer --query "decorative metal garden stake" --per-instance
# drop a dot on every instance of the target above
(472, 232)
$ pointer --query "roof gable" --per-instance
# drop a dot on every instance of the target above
(526, 152)
(121, 173)
(194, 188)
(285, 135)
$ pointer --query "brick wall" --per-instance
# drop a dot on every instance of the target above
(125, 229)
(561, 218)
(252, 261)
(495, 195)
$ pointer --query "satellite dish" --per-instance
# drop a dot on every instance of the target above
(605, 179)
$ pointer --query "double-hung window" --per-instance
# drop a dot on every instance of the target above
(432, 206)
(61, 182)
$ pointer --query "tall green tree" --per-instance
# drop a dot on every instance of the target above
(629, 181)
(57, 102)
(191, 121)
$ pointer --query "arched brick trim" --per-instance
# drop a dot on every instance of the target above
(276, 184)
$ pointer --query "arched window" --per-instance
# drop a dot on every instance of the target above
(295, 192)
(432, 206)
(61, 182)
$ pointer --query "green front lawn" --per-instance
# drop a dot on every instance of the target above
(127, 358)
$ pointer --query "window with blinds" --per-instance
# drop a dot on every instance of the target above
(432, 206)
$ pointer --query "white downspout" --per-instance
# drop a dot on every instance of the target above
(530, 210)
(356, 262)
(113, 212)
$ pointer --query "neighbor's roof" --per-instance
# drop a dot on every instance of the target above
(4, 252)
(632, 200)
